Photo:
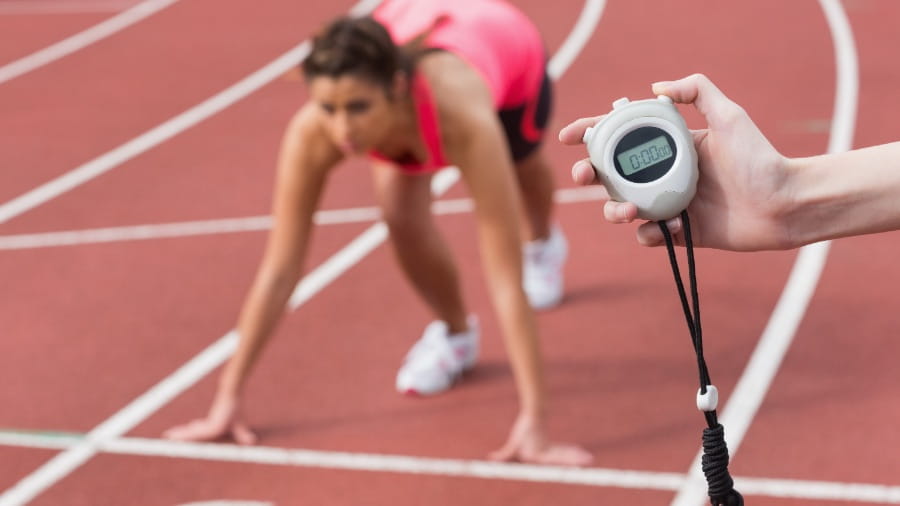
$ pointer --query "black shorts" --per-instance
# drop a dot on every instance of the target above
(524, 125)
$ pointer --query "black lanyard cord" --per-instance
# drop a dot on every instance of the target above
(715, 451)
(693, 321)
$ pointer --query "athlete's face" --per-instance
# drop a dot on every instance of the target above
(357, 111)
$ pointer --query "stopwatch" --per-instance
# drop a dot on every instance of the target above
(643, 153)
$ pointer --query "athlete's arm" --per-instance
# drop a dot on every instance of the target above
(305, 159)
(474, 141)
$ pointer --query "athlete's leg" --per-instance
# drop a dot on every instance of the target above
(545, 248)
(418, 246)
(535, 177)
(524, 127)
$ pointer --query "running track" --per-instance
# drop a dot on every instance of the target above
(90, 327)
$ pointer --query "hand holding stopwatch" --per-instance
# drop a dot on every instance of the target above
(643, 153)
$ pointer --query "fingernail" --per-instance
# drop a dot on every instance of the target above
(674, 225)
(578, 168)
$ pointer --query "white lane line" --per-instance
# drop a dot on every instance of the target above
(578, 37)
(821, 490)
(19, 7)
(776, 339)
(152, 138)
(36, 439)
(845, 98)
(227, 502)
(159, 395)
(82, 39)
(246, 224)
(596, 477)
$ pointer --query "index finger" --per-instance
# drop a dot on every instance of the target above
(573, 133)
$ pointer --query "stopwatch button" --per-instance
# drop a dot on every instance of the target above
(663, 98)
(709, 400)
(588, 135)
(619, 103)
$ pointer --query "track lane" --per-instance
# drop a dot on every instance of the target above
(122, 86)
(740, 264)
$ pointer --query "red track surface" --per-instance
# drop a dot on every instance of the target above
(25, 33)
(89, 328)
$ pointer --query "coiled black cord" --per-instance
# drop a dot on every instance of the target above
(715, 451)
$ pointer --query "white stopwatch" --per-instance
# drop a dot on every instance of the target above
(643, 153)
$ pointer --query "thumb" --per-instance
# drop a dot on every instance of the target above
(698, 90)
(505, 454)
(242, 434)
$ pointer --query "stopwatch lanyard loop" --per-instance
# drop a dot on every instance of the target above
(715, 451)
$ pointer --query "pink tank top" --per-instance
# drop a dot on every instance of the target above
(492, 36)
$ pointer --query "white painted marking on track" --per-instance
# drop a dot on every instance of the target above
(37, 440)
(82, 39)
(821, 490)
(148, 403)
(595, 477)
(396, 464)
(28, 7)
(779, 332)
(578, 37)
(227, 502)
(246, 224)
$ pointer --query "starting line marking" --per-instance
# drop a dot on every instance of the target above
(404, 464)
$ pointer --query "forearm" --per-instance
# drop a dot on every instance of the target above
(520, 335)
(475, 146)
(844, 194)
(516, 320)
(305, 159)
(262, 310)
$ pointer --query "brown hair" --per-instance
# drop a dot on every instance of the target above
(356, 46)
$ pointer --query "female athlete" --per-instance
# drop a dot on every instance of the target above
(420, 85)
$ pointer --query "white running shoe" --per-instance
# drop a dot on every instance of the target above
(542, 275)
(438, 359)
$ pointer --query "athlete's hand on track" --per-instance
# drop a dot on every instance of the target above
(742, 187)
(527, 444)
(222, 422)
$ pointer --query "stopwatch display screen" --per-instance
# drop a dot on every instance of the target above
(645, 154)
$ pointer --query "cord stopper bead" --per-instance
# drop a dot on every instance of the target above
(708, 401)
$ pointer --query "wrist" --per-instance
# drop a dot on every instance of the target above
(790, 205)
(813, 202)
(533, 415)
(229, 388)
